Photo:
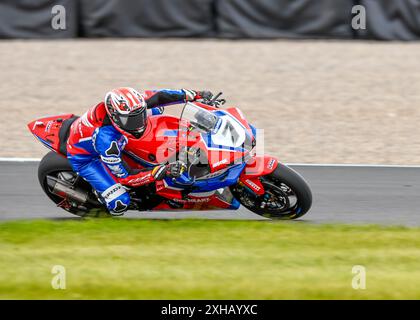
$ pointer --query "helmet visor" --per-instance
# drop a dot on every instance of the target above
(133, 122)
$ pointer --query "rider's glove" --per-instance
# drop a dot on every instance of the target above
(206, 95)
(174, 170)
(191, 95)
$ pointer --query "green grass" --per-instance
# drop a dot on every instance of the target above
(191, 259)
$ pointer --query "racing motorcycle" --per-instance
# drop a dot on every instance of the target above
(223, 168)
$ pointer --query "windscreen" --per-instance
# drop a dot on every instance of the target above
(223, 129)
(200, 118)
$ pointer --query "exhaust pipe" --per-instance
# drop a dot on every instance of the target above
(64, 190)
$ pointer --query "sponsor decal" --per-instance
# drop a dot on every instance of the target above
(221, 162)
(270, 164)
(111, 160)
(113, 192)
(144, 179)
(253, 185)
(192, 200)
(48, 126)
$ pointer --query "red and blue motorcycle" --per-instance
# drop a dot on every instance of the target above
(224, 168)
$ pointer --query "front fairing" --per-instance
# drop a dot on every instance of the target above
(224, 179)
(224, 136)
(157, 145)
(167, 137)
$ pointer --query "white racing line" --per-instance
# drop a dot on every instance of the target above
(20, 159)
(362, 165)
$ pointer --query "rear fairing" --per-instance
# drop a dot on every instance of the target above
(47, 129)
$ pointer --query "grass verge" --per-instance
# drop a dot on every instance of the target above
(192, 259)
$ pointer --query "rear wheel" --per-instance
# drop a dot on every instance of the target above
(287, 195)
(54, 167)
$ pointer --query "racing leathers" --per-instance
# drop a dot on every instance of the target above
(94, 149)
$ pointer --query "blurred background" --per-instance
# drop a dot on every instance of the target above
(232, 19)
(330, 81)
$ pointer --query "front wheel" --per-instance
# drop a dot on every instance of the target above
(287, 195)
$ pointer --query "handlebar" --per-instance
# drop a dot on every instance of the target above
(215, 101)
(215, 97)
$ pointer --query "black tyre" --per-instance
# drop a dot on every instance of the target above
(58, 167)
(287, 195)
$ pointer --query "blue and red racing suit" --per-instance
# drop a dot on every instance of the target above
(94, 149)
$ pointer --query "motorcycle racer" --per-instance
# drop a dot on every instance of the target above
(99, 136)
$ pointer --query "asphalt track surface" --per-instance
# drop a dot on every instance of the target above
(345, 194)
